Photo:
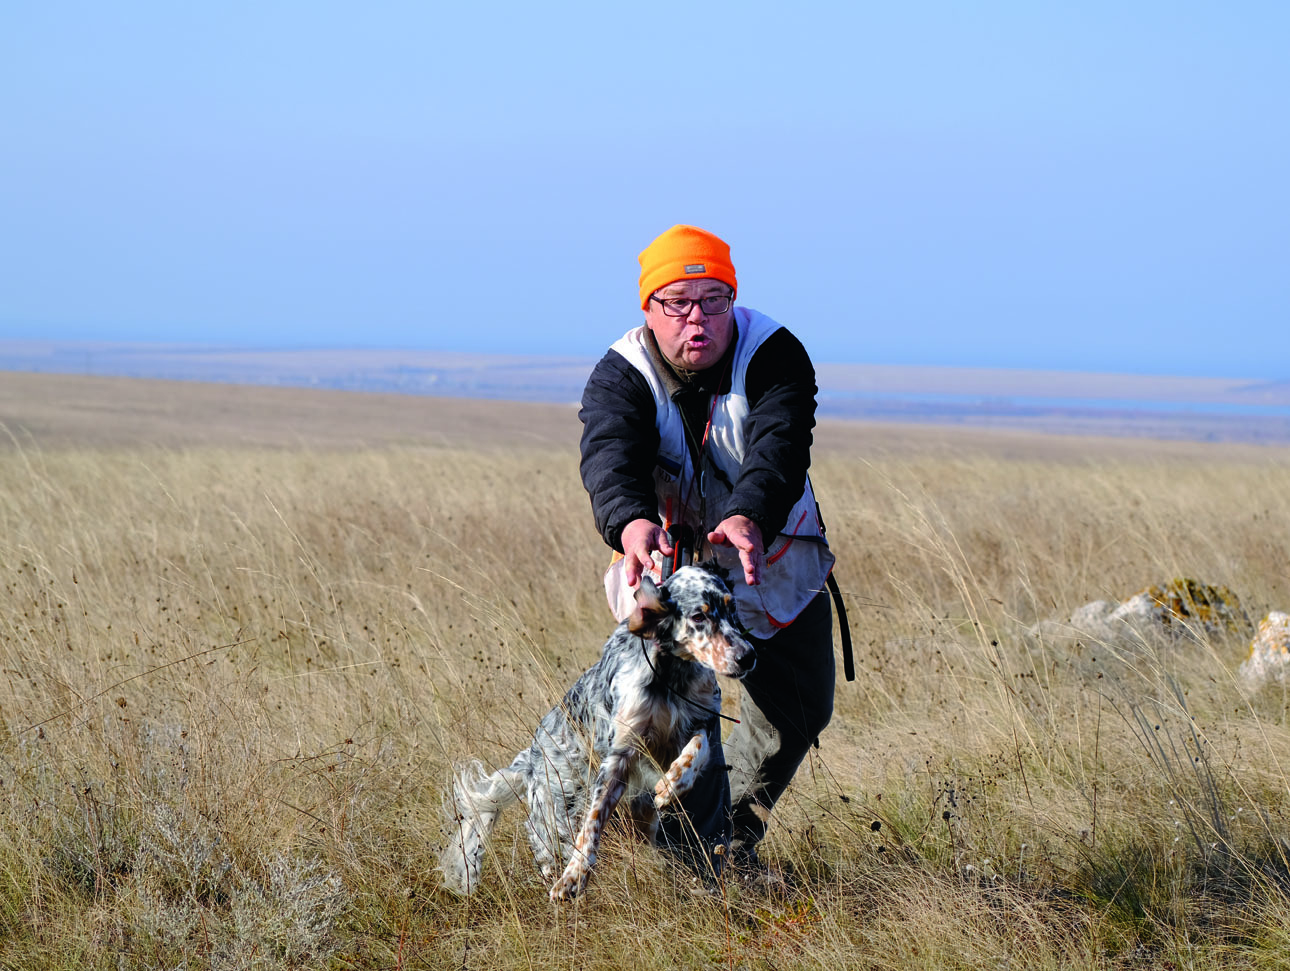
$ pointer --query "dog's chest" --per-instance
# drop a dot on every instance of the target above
(661, 718)
(650, 705)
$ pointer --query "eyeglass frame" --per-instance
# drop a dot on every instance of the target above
(663, 302)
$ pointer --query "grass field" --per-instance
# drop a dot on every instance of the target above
(244, 633)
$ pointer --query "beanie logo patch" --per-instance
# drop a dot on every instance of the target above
(695, 268)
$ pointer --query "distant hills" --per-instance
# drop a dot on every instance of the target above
(1052, 401)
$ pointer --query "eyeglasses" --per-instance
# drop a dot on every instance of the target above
(681, 306)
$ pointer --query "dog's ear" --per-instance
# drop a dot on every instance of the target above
(652, 606)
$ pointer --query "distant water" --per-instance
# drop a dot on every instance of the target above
(1038, 404)
(1234, 411)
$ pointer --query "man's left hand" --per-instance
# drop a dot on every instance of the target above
(744, 535)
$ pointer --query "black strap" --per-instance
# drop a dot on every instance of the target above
(848, 660)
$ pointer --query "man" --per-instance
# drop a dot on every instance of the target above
(702, 418)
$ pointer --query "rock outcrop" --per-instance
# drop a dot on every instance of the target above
(1181, 608)
(1186, 606)
(1269, 657)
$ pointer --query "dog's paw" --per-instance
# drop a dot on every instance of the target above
(664, 793)
(680, 775)
(571, 883)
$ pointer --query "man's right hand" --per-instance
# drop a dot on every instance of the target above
(640, 539)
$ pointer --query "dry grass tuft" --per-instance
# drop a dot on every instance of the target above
(234, 679)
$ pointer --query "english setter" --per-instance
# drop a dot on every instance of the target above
(641, 711)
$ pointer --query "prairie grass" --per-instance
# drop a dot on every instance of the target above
(233, 678)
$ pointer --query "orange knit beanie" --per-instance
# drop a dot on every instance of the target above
(683, 253)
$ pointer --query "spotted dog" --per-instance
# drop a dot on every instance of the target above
(640, 712)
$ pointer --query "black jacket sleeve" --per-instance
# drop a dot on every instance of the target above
(619, 447)
(781, 395)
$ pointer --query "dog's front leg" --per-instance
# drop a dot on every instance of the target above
(611, 783)
(680, 775)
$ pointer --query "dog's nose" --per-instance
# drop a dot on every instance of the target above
(746, 661)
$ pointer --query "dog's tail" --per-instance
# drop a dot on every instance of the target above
(473, 804)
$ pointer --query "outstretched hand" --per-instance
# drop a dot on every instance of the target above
(640, 539)
(744, 535)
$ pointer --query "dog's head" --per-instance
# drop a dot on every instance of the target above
(694, 616)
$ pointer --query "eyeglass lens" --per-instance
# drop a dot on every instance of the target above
(681, 306)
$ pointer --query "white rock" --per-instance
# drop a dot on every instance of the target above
(1270, 649)
(1092, 616)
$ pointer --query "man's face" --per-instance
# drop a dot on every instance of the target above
(697, 340)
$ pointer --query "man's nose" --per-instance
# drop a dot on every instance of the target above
(696, 313)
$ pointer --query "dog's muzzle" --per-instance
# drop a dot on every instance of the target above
(742, 657)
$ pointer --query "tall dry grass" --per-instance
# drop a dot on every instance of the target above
(233, 681)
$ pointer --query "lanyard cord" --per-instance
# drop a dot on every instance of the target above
(697, 457)
(697, 463)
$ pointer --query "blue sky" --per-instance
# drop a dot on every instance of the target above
(1093, 186)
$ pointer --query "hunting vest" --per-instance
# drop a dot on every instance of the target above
(797, 561)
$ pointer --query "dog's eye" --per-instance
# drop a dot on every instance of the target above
(698, 617)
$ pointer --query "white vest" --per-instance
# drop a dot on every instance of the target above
(797, 561)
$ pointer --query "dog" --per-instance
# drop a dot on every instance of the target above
(641, 712)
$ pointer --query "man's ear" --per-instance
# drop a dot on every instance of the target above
(651, 607)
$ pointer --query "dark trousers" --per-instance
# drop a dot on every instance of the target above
(787, 701)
